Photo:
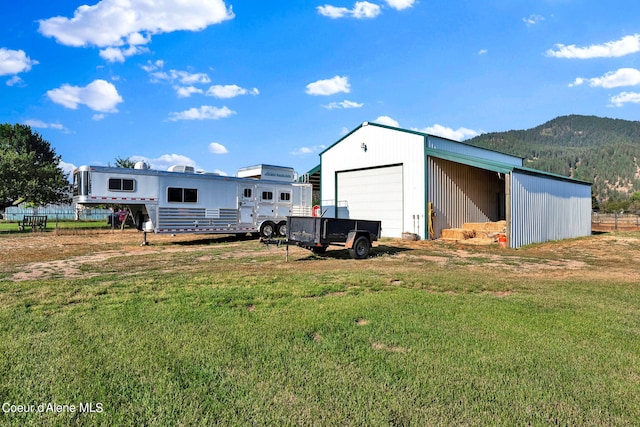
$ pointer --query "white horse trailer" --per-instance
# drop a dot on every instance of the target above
(183, 201)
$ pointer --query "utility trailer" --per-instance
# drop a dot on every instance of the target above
(181, 200)
(318, 233)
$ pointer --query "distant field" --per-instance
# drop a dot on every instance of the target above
(220, 331)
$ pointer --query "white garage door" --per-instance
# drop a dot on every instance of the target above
(374, 194)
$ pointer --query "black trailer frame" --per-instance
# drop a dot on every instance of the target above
(318, 233)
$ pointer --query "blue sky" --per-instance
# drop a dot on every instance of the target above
(223, 84)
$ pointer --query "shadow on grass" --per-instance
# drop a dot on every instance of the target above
(212, 240)
(335, 252)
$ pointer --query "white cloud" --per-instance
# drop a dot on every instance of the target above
(230, 91)
(130, 24)
(114, 54)
(621, 77)
(186, 91)
(483, 52)
(98, 95)
(217, 148)
(39, 124)
(14, 62)
(388, 121)
(165, 161)
(183, 81)
(361, 9)
(67, 168)
(330, 86)
(174, 76)
(625, 98)
(205, 112)
(343, 104)
(449, 133)
(533, 19)
(15, 81)
(614, 49)
(150, 67)
(400, 4)
(304, 151)
(333, 12)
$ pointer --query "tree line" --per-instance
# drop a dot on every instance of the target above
(603, 151)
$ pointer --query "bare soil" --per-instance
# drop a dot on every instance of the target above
(39, 256)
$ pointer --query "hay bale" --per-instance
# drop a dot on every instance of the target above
(458, 234)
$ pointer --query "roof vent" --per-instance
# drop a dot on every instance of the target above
(142, 165)
(182, 168)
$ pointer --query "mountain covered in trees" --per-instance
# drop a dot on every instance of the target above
(603, 151)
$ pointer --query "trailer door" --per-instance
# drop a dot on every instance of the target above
(374, 194)
(247, 203)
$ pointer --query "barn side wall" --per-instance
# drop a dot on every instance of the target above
(544, 208)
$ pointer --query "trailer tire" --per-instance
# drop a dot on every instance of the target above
(360, 249)
(267, 229)
(281, 229)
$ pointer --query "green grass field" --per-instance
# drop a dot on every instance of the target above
(227, 333)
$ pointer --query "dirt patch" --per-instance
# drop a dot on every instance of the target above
(391, 349)
(38, 256)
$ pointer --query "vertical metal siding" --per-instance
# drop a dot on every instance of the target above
(462, 194)
(544, 209)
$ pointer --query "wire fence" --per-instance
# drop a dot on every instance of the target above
(57, 213)
(615, 222)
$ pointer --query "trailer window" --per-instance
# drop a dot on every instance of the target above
(285, 197)
(247, 193)
(182, 195)
(121, 184)
(267, 195)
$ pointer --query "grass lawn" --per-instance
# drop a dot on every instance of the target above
(224, 332)
(12, 226)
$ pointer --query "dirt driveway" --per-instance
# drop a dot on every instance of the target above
(37, 256)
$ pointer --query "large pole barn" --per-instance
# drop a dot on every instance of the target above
(423, 184)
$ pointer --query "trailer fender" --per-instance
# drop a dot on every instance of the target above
(351, 238)
(353, 235)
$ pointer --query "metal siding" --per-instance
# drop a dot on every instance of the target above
(462, 194)
(374, 194)
(384, 147)
(545, 209)
(434, 142)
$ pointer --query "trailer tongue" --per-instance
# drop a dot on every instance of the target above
(318, 233)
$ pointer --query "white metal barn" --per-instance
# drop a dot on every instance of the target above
(391, 174)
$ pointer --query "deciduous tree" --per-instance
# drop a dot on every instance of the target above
(29, 169)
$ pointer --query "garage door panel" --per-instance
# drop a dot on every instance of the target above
(374, 194)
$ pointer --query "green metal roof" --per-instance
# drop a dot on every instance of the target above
(470, 161)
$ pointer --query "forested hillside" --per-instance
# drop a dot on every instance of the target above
(603, 151)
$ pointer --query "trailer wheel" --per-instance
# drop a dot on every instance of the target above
(281, 229)
(360, 249)
(267, 229)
